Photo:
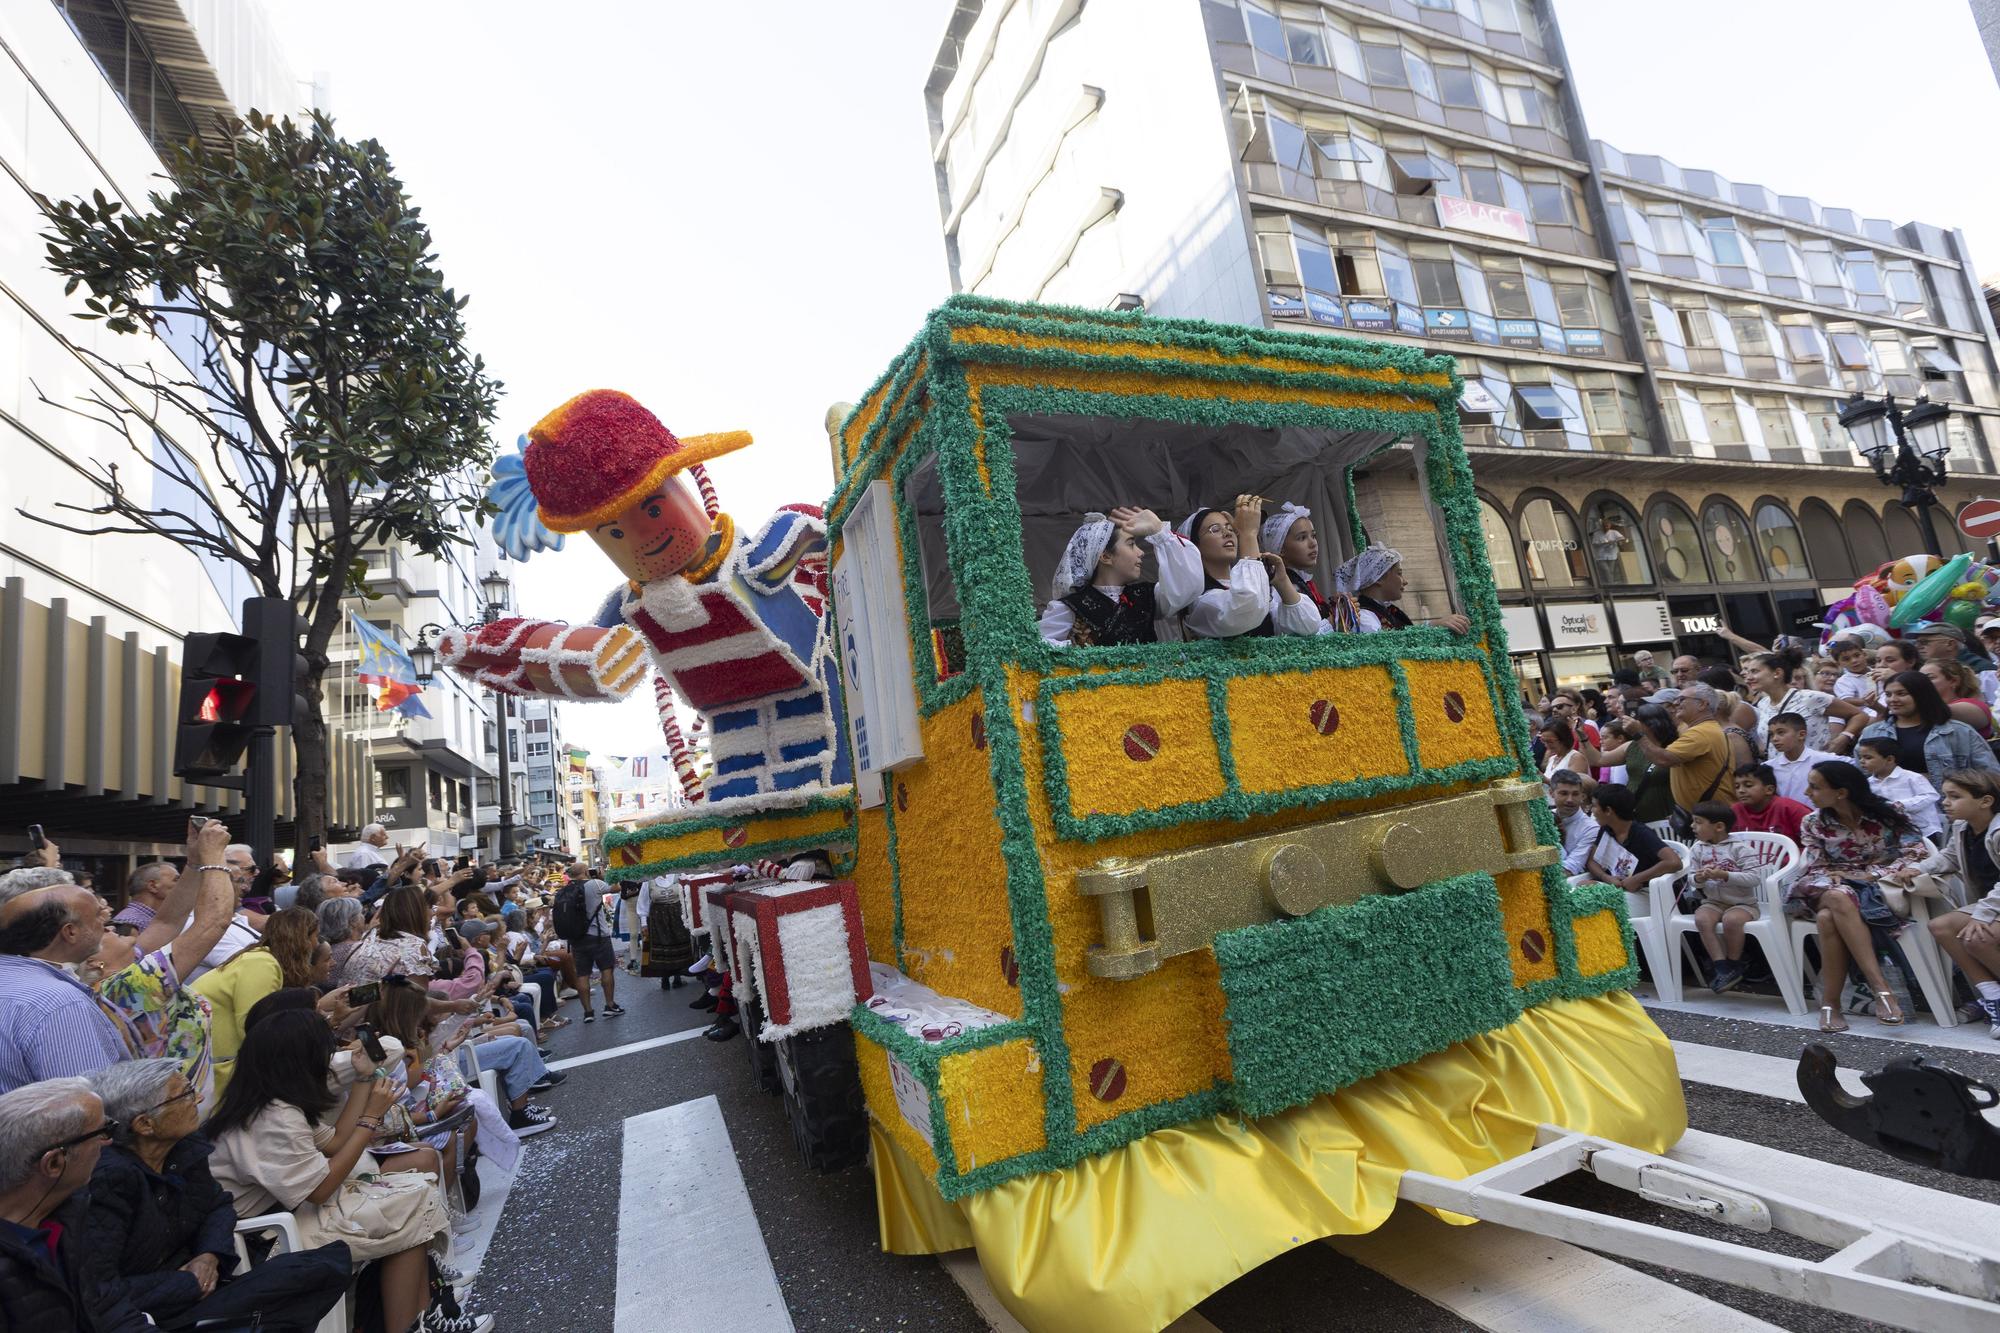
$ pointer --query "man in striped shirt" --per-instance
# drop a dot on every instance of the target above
(51, 1025)
(148, 889)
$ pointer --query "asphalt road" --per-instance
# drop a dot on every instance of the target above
(553, 1262)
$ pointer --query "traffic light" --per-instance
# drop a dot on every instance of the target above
(234, 684)
(214, 722)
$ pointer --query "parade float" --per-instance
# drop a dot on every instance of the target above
(1136, 966)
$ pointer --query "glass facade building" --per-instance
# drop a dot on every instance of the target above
(1654, 355)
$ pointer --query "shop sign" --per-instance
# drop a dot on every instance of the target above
(1452, 324)
(1325, 310)
(1524, 629)
(1409, 319)
(1584, 342)
(1485, 219)
(1286, 307)
(1806, 622)
(1484, 329)
(1701, 624)
(1643, 622)
(1578, 624)
(1370, 315)
(1552, 339)
(1520, 333)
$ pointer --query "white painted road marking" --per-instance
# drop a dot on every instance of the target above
(690, 1253)
(633, 1049)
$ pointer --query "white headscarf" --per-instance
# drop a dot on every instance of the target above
(1278, 526)
(1366, 569)
(1186, 526)
(1079, 559)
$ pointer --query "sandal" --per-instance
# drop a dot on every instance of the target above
(1830, 1020)
(552, 1024)
(1887, 1012)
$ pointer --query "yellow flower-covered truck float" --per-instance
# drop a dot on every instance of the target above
(1277, 914)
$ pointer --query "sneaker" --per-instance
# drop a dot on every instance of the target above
(590, 1018)
(614, 1010)
(567, 993)
(1728, 976)
(528, 1122)
(462, 1223)
(722, 1029)
(436, 1320)
(554, 1078)
(450, 1276)
(1990, 1011)
(546, 1052)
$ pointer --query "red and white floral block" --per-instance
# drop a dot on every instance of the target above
(797, 947)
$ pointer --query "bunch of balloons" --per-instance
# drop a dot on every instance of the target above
(1916, 588)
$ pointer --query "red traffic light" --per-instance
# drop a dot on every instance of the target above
(226, 701)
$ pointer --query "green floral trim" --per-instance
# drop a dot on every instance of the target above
(1331, 998)
(895, 869)
(699, 822)
(1234, 803)
(839, 848)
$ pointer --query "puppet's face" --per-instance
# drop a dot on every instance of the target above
(659, 536)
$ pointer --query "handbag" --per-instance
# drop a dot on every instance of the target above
(383, 1215)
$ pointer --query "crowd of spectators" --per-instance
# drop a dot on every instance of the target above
(236, 1042)
(1876, 761)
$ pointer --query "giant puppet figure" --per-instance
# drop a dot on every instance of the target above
(730, 623)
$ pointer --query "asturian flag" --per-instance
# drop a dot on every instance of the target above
(385, 667)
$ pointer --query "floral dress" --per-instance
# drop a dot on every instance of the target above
(1834, 852)
(162, 1018)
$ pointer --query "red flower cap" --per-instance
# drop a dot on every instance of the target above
(596, 455)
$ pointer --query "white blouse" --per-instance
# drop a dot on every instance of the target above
(1808, 704)
(1179, 584)
(1241, 605)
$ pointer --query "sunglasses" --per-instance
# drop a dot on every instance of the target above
(104, 1131)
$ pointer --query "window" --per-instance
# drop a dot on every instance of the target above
(1541, 407)
(1417, 173)
(1776, 423)
(1266, 33)
(1697, 327)
(1905, 289)
(1805, 342)
(1861, 273)
(1577, 304)
(1718, 409)
(1500, 15)
(1669, 229)
(1437, 282)
(538, 749)
(1457, 87)
(395, 783)
(1550, 547)
(1499, 549)
(1604, 413)
(1777, 258)
(1617, 548)
(1723, 242)
(1305, 45)
(1288, 143)
(1937, 363)
(1752, 336)
(1482, 184)
(1341, 157)
(1778, 538)
(537, 726)
(1385, 66)
(1676, 544)
(1316, 265)
(1548, 203)
(1277, 251)
(1419, 71)
(1730, 552)
(1524, 105)
(1505, 287)
(1820, 267)
(1850, 351)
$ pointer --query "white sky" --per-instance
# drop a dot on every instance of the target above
(728, 209)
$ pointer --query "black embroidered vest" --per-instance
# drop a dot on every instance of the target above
(1391, 615)
(1099, 620)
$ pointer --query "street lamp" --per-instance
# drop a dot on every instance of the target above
(1906, 449)
(495, 588)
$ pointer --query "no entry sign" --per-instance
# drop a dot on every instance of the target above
(1981, 518)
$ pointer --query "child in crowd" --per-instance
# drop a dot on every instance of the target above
(1909, 792)
(1290, 533)
(1759, 808)
(1244, 592)
(1790, 759)
(1726, 877)
(1097, 596)
(1853, 684)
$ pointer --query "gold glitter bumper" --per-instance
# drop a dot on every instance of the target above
(1177, 902)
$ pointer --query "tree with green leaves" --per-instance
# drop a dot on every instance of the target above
(320, 365)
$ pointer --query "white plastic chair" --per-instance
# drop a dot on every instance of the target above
(1649, 927)
(1930, 963)
(487, 1079)
(340, 1318)
(1779, 860)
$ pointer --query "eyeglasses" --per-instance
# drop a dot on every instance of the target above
(184, 1094)
(105, 1131)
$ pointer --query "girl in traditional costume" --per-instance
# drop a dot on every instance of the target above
(1289, 532)
(1375, 580)
(1097, 596)
(1239, 596)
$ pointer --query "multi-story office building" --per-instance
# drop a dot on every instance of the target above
(1654, 356)
(548, 766)
(95, 92)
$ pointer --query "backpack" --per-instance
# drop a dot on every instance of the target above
(572, 918)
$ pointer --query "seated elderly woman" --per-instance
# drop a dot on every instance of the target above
(1375, 580)
(342, 922)
(286, 1140)
(160, 1233)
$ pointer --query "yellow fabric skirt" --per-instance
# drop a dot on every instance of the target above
(1133, 1238)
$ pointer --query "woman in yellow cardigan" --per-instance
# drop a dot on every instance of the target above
(290, 954)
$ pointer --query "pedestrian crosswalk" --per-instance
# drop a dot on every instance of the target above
(691, 1240)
